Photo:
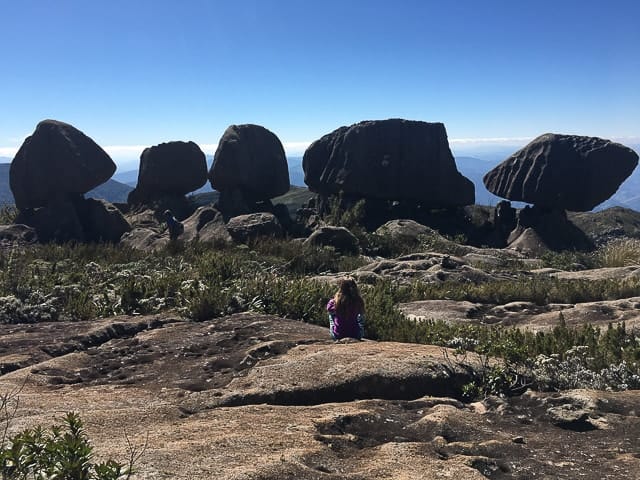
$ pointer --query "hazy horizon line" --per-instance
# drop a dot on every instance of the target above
(130, 153)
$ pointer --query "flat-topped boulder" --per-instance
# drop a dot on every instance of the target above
(391, 159)
(567, 172)
(57, 161)
(169, 169)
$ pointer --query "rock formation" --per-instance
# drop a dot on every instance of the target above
(249, 168)
(170, 169)
(243, 228)
(394, 160)
(49, 176)
(557, 173)
(566, 172)
(337, 237)
(57, 161)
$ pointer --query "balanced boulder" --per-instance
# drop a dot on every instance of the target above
(169, 169)
(563, 172)
(249, 166)
(391, 159)
(57, 161)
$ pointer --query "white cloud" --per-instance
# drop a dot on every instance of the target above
(489, 141)
(124, 151)
(8, 151)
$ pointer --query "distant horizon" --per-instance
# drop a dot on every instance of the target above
(126, 157)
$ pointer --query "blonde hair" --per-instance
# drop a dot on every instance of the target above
(347, 299)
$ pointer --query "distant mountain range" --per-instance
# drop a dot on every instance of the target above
(112, 190)
(117, 189)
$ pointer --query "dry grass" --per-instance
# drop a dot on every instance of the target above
(619, 253)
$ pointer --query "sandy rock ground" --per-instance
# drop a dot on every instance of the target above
(259, 397)
(528, 315)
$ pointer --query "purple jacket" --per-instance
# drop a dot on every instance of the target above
(351, 325)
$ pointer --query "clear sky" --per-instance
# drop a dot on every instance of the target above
(134, 73)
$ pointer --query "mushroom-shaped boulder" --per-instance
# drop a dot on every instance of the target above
(55, 162)
(563, 172)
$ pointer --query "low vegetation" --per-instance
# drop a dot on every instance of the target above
(284, 278)
(62, 451)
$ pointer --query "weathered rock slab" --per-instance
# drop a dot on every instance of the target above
(156, 379)
(527, 314)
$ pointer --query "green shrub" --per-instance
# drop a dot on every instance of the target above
(350, 217)
(567, 260)
(61, 452)
(8, 214)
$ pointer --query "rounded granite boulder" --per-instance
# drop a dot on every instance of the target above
(169, 169)
(250, 159)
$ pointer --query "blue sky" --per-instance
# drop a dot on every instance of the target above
(136, 73)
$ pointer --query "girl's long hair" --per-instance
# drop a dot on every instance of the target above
(347, 298)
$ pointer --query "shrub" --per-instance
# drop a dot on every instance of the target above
(350, 217)
(63, 451)
(8, 214)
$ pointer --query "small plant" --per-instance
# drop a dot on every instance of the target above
(61, 452)
(8, 214)
(349, 216)
(567, 260)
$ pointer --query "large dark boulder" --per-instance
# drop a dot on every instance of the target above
(56, 222)
(78, 219)
(250, 159)
(169, 169)
(563, 172)
(388, 159)
(55, 162)
(101, 221)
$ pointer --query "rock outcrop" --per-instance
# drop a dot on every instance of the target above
(243, 228)
(18, 233)
(395, 159)
(170, 169)
(339, 238)
(206, 225)
(405, 231)
(249, 167)
(101, 221)
(563, 172)
(57, 161)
